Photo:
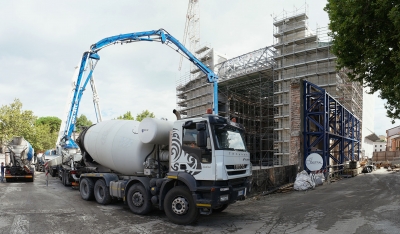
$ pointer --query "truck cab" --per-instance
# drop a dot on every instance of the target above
(209, 148)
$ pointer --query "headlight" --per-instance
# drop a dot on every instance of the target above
(224, 198)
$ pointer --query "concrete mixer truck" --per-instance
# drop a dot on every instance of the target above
(186, 168)
(21, 155)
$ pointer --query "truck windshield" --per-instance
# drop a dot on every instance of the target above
(229, 138)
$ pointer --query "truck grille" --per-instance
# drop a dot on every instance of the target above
(231, 173)
(236, 167)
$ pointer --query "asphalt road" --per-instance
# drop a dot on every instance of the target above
(368, 203)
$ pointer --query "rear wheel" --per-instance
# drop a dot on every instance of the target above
(8, 180)
(179, 206)
(86, 189)
(53, 172)
(33, 177)
(138, 199)
(64, 178)
(102, 192)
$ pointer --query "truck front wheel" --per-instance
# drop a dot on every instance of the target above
(102, 192)
(138, 199)
(86, 189)
(179, 206)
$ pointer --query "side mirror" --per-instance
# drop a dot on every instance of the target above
(200, 126)
(202, 139)
(202, 135)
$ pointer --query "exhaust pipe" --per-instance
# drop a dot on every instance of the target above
(178, 115)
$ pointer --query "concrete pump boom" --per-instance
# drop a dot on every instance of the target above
(92, 57)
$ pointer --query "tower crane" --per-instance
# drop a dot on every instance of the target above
(192, 28)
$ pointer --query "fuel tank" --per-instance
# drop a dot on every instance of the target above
(116, 144)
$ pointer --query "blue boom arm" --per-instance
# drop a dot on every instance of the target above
(92, 55)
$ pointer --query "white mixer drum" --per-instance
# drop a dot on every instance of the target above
(155, 131)
(115, 144)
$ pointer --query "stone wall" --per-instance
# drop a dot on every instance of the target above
(270, 178)
(295, 122)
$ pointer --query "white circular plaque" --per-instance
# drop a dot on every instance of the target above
(314, 162)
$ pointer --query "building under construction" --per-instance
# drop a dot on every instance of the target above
(255, 87)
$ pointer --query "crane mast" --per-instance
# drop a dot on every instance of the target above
(96, 101)
(192, 28)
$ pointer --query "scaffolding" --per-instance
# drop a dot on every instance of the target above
(304, 54)
(254, 87)
(194, 95)
(246, 94)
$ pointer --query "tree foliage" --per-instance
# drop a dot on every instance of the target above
(82, 122)
(46, 132)
(366, 37)
(16, 122)
(53, 122)
(126, 116)
(43, 137)
(144, 114)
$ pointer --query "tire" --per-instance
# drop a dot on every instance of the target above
(53, 172)
(102, 192)
(86, 189)
(139, 200)
(179, 206)
(63, 178)
(220, 209)
(33, 177)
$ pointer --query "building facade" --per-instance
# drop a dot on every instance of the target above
(255, 88)
(379, 146)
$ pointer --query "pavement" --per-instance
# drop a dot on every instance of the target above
(367, 203)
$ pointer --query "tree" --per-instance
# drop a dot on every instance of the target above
(53, 122)
(144, 114)
(46, 132)
(366, 37)
(82, 122)
(126, 116)
(44, 139)
(16, 122)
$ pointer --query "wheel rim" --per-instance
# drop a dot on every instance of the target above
(101, 192)
(180, 206)
(137, 199)
(85, 188)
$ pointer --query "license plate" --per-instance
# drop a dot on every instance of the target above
(240, 193)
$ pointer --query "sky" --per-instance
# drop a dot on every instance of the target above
(42, 41)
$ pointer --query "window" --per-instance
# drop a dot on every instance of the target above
(380, 150)
(189, 144)
(189, 137)
(376, 146)
(380, 146)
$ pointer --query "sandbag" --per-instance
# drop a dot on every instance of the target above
(319, 178)
(303, 181)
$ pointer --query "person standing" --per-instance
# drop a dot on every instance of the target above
(2, 172)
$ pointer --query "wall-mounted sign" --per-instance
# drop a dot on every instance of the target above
(314, 162)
